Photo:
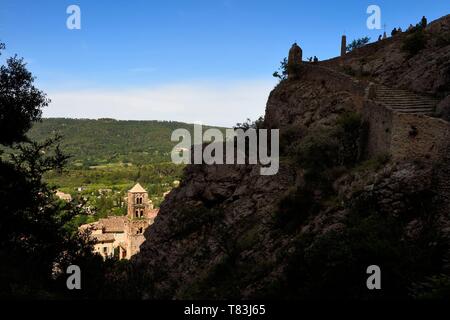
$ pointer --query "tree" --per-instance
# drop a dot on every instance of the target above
(282, 72)
(20, 101)
(35, 244)
(358, 43)
(249, 124)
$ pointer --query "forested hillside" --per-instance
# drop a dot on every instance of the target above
(112, 155)
(98, 142)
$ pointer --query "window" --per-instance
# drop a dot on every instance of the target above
(141, 213)
(139, 231)
(136, 213)
(105, 250)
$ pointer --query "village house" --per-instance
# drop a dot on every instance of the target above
(121, 236)
(63, 196)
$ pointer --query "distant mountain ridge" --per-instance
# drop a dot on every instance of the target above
(96, 142)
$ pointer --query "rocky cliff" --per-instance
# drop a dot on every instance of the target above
(331, 211)
(388, 61)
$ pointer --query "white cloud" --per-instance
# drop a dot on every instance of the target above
(214, 103)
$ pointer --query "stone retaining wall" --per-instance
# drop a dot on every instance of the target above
(405, 136)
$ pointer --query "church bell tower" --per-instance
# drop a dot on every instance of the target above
(139, 207)
(138, 203)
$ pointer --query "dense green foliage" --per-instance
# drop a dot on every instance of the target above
(104, 188)
(35, 246)
(20, 101)
(107, 157)
(104, 141)
(323, 155)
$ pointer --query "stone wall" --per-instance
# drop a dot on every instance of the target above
(405, 136)
(134, 238)
(427, 72)
(379, 121)
(419, 137)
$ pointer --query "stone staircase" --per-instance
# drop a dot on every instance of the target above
(404, 101)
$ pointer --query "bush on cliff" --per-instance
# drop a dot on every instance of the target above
(332, 265)
(338, 146)
(323, 155)
(357, 43)
(282, 72)
(295, 208)
(414, 42)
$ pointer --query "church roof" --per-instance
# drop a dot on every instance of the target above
(112, 224)
(105, 237)
(137, 189)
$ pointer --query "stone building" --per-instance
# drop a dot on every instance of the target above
(294, 61)
(343, 45)
(63, 196)
(121, 236)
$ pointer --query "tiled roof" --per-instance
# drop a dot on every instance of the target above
(105, 237)
(112, 224)
(90, 226)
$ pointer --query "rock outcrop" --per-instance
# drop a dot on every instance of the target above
(385, 61)
(221, 233)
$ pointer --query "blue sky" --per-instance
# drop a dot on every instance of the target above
(181, 60)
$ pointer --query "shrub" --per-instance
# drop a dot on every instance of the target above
(349, 71)
(326, 148)
(435, 287)
(282, 72)
(414, 42)
(294, 208)
(290, 137)
(350, 138)
(333, 264)
(318, 151)
(249, 124)
(192, 219)
(358, 43)
(374, 163)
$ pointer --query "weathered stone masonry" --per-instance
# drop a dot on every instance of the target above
(405, 135)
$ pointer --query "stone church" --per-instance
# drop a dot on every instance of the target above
(121, 236)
